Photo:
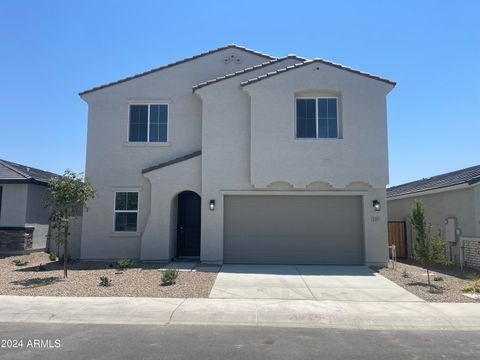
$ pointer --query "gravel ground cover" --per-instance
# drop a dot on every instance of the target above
(143, 280)
(413, 278)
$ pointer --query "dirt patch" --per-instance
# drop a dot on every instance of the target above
(413, 278)
(42, 277)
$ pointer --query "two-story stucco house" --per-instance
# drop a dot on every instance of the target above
(236, 156)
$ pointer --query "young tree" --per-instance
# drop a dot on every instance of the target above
(67, 194)
(429, 249)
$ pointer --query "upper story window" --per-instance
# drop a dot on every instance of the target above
(317, 117)
(126, 211)
(148, 123)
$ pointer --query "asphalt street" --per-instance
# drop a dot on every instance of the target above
(70, 341)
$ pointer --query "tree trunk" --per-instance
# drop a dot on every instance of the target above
(65, 252)
(428, 277)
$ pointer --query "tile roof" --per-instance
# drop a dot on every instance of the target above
(320, 61)
(171, 162)
(468, 176)
(246, 70)
(17, 173)
(230, 46)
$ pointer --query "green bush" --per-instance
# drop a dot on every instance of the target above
(169, 276)
(20, 262)
(52, 256)
(105, 281)
(428, 249)
(405, 274)
(438, 278)
(124, 263)
(468, 288)
(39, 268)
(434, 290)
(472, 276)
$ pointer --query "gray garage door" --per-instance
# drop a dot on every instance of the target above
(293, 229)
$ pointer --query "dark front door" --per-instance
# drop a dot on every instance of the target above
(188, 224)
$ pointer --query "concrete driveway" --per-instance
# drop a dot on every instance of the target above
(312, 282)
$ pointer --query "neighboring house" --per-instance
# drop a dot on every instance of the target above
(452, 206)
(23, 216)
(236, 156)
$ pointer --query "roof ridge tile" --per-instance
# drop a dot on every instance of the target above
(322, 61)
(178, 62)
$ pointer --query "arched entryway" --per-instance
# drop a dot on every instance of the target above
(188, 224)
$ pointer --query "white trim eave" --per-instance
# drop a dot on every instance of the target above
(295, 192)
(433, 191)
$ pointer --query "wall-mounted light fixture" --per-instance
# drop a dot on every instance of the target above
(376, 205)
(212, 205)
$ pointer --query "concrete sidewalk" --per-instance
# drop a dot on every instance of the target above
(253, 312)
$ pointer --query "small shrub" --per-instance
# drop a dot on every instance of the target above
(124, 263)
(472, 276)
(105, 281)
(438, 278)
(52, 256)
(20, 262)
(169, 276)
(39, 268)
(468, 288)
(434, 290)
(405, 274)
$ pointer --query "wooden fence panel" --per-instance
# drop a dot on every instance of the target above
(397, 236)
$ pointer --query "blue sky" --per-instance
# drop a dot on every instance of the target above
(51, 50)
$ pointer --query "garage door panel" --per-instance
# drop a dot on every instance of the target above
(293, 229)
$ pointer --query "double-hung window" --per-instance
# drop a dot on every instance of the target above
(317, 118)
(126, 211)
(148, 123)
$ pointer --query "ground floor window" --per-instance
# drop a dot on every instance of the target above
(126, 211)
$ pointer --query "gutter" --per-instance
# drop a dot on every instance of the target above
(433, 191)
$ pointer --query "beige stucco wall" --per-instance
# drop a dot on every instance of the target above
(159, 237)
(23, 205)
(360, 155)
(113, 163)
(249, 143)
(37, 215)
(459, 204)
(14, 204)
(217, 120)
(225, 152)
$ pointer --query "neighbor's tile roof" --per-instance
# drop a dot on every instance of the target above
(230, 46)
(173, 161)
(13, 172)
(469, 176)
(320, 61)
(246, 70)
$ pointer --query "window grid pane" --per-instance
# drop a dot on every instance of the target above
(138, 123)
(306, 118)
(121, 201)
(327, 118)
(158, 123)
(125, 221)
(132, 201)
(126, 211)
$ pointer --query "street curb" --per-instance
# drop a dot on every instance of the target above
(241, 312)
